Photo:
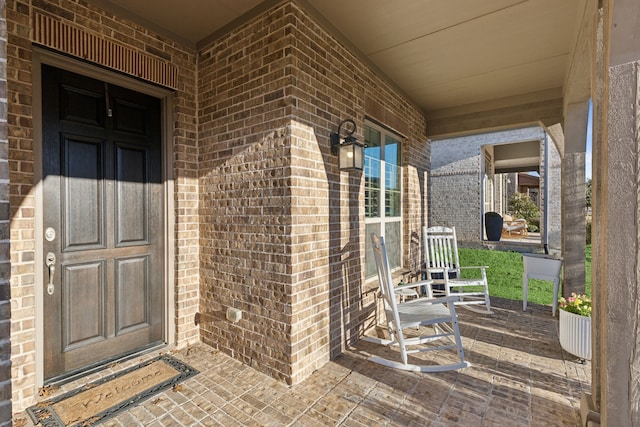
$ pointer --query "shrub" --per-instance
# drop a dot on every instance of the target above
(522, 206)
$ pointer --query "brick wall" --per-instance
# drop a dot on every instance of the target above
(5, 264)
(455, 182)
(282, 232)
(22, 182)
(264, 220)
(456, 201)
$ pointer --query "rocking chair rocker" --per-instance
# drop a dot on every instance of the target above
(438, 313)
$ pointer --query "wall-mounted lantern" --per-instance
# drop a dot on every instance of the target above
(350, 152)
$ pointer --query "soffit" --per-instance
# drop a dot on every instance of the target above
(447, 54)
(442, 54)
(186, 21)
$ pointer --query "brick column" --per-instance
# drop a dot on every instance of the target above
(5, 263)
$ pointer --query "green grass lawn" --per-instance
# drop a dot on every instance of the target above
(505, 274)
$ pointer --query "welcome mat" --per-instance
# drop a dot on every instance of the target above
(106, 397)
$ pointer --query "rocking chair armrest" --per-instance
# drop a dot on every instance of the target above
(468, 267)
(437, 300)
(435, 269)
(413, 285)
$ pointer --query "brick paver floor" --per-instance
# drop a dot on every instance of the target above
(519, 376)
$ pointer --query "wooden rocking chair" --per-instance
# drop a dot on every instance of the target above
(512, 226)
(439, 313)
(442, 265)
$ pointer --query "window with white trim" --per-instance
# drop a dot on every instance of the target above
(383, 193)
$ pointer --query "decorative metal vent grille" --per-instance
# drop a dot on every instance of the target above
(74, 41)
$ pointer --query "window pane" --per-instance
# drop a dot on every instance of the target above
(392, 177)
(391, 150)
(370, 261)
(372, 187)
(373, 140)
(372, 174)
(393, 240)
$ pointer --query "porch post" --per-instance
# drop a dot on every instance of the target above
(616, 195)
(573, 199)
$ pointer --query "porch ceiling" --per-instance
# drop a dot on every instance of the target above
(453, 57)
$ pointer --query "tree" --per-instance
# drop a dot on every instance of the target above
(588, 193)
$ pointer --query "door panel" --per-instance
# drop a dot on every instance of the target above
(132, 299)
(103, 195)
(132, 199)
(82, 105)
(83, 304)
(83, 193)
(130, 117)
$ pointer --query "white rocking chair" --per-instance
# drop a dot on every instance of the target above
(442, 265)
(439, 313)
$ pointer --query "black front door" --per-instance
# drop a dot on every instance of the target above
(103, 221)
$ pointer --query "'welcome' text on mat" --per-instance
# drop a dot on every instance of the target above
(102, 399)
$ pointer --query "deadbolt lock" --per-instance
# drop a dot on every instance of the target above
(50, 234)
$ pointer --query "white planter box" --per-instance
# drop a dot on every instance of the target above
(575, 334)
(541, 265)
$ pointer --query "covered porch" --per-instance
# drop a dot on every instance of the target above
(519, 376)
(255, 215)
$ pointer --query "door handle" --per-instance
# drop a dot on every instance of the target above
(51, 263)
